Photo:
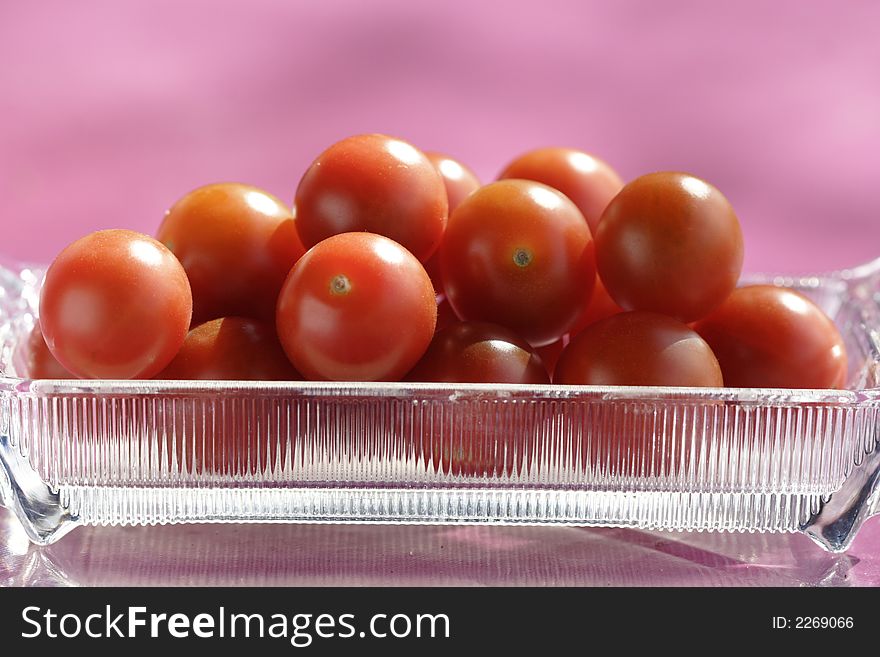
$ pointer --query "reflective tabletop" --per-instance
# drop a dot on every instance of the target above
(411, 555)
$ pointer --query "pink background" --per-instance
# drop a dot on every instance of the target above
(111, 111)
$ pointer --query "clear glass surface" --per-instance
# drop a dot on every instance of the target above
(144, 452)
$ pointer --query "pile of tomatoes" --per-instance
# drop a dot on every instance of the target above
(394, 264)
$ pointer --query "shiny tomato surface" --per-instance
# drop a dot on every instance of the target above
(231, 348)
(638, 349)
(373, 183)
(771, 337)
(115, 304)
(519, 254)
(237, 244)
(458, 179)
(669, 243)
(479, 352)
(588, 181)
(41, 363)
(356, 307)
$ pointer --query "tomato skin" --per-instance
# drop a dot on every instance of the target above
(458, 179)
(459, 182)
(638, 349)
(356, 307)
(669, 243)
(445, 315)
(600, 307)
(588, 181)
(771, 337)
(479, 352)
(41, 363)
(231, 348)
(519, 254)
(373, 183)
(115, 304)
(550, 353)
(237, 244)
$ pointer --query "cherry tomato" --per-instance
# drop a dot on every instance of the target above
(638, 349)
(434, 273)
(445, 314)
(601, 306)
(356, 307)
(459, 182)
(550, 353)
(463, 442)
(478, 352)
(115, 304)
(771, 337)
(588, 181)
(377, 184)
(237, 244)
(41, 363)
(669, 243)
(233, 348)
(519, 254)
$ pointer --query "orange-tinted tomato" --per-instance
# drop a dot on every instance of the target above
(478, 352)
(377, 184)
(669, 243)
(771, 337)
(232, 348)
(588, 181)
(638, 349)
(356, 307)
(115, 305)
(237, 244)
(519, 254)
(41, 363)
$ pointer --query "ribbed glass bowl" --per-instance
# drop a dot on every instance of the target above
(143, 452)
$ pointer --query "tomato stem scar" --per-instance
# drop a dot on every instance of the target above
(522, 257)
(340, 285)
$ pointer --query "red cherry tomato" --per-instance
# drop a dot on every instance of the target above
(445, 314)
(478, 352)
(115, 304)
(232, 348)
(459, 182)
(356, 307)
(41, 363)
(377, 184)
(237, 244)
(588, 181)
(638, 349)
(669, 243)
(772, 337)
(550, 353)
(601, 306)
(434, 273)
(519, 254)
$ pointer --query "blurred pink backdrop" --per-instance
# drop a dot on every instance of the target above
(110, 111)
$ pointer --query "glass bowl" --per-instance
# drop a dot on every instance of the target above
(77, 452)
